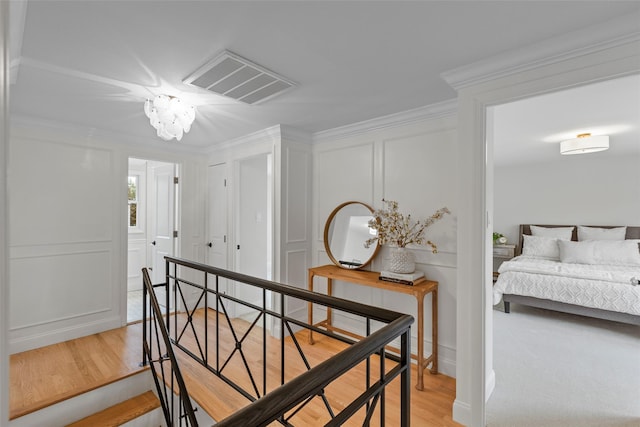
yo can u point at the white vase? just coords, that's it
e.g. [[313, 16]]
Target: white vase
[[402, 261]]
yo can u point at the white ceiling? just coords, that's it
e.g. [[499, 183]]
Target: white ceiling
[[93, 63], [530, 130]]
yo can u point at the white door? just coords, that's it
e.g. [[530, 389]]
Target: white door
[[136, 223], [253, 227], [217, 226], [162, 225]]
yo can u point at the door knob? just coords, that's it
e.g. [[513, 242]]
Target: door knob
[[210, 244], [153, 243]]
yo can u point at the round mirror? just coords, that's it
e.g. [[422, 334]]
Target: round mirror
[[345, 233]]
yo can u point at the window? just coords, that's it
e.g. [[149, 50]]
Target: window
[[133, 201]]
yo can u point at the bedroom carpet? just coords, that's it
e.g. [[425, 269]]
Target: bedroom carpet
[[554, 369]]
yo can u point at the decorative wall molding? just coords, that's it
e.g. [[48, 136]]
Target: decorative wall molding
[[55, 131], [429, 112], [47, 337], [595, 38], [273, 134], [61, 319]]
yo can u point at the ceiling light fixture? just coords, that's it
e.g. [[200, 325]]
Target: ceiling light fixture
[[584, 143], [170, 116]]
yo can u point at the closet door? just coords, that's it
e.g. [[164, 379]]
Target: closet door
[[217, 224]]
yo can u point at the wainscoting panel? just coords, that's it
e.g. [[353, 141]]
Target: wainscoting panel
[[414, 164], [65, 278], [136, 260], [342, 175], [297, 276], [419, 173], [298, 204], [53, 288], [65, 193]]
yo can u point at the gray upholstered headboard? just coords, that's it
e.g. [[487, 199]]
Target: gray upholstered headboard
[[632, 232]]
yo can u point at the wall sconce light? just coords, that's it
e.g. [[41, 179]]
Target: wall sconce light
[[584, 143]]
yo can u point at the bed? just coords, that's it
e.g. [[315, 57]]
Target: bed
[[586, 276]]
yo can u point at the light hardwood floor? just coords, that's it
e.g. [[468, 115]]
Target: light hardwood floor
[[48, 375], [45, 376]]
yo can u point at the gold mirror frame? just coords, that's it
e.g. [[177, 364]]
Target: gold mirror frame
[[352, 264]]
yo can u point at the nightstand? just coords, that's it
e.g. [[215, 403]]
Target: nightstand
[[501, 253], [504, 251]]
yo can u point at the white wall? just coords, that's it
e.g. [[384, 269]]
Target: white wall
[[588, 189], [68, 235], [414, 164], [4, 148], [290, 152]]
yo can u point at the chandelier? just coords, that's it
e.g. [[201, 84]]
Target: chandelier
[[170, 116]]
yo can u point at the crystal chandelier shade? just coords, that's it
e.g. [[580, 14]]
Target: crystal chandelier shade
[[170, 116]]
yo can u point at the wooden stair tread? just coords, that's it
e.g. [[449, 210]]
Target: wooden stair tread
[[121, 413], [48, 375]]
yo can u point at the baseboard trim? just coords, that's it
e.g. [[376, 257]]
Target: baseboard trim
[[461, 412], [490, 385], [42, 339]]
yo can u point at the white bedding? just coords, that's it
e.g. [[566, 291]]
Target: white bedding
[[606, 287]]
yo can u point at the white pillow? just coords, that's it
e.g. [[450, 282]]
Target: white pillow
[[617, 252], [563, 233], [540, 247], [577, 252], [607, 252], [597, 233]]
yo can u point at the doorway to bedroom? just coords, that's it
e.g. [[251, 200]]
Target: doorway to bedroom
[[152, 211], [550, 363]]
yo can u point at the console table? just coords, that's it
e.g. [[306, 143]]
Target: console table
[[371, 279]]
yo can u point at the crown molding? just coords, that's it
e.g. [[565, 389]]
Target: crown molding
[[595, 38], [95, 135], [273, 134], [297, 135], [429, 112]]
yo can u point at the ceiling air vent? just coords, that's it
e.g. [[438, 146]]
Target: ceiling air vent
[[235, 77]]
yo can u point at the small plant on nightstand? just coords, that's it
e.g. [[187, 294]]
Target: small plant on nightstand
[[499, 239]]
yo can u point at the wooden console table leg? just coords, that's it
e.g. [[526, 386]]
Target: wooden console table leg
[[329, 310], [420, 383], [310, 307], [434, 331]]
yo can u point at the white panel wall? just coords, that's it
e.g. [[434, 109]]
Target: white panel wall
[[68, 231], [291, 184], [413, 164], [296, 233], [589, 189], [63, 239]]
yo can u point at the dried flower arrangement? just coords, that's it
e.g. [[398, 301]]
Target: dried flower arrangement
[[395, 229]]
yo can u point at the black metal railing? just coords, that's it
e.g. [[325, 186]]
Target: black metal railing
[[157, 352], [206, 327]]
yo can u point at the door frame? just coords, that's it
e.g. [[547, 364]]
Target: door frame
[[473, 307], [177, 209]]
